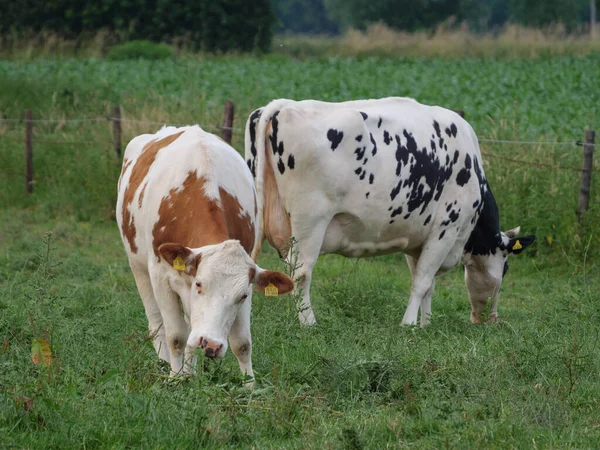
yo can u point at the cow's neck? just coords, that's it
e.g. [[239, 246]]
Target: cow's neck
[[485, 237]]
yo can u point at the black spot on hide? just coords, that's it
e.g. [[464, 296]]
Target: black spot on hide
[[387, 138], [276, 146], [335, 137], [374, 151]]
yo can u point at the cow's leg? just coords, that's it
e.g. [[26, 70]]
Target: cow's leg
[[176, 329], [426, 302], [240, 341], [310, 239], [423, 277], [190, 356], [426, 305], [155, 321]]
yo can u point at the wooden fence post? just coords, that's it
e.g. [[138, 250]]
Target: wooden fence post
[[227, 131], [28, 152], [593, 19], [586, 173], [116, 120]]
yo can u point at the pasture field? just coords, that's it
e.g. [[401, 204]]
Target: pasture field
[[356, 380]]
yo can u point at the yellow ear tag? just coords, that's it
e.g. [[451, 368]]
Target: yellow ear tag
[[179, 264], [271, 290], [517, 246]]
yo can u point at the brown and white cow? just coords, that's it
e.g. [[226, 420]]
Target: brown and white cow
[[186, 210], [370, 177]]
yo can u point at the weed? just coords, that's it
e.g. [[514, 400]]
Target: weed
[[291, 265]]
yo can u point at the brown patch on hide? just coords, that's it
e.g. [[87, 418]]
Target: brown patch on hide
[[138, 174], [277, 226], [187, 216], [239, 222]]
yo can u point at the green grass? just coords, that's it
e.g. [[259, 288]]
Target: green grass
[[358, 379], [139, 50]]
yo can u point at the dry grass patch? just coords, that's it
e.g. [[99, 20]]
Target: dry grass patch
[[511, 41]]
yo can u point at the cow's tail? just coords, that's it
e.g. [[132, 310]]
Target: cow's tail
[[254, 154]]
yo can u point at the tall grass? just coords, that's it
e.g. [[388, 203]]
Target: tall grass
[[511, 41], [446, 40]]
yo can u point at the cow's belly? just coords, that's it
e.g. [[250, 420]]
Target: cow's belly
[[350, 236]]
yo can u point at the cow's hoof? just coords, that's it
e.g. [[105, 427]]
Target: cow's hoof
[[492, 319], [307, 320]]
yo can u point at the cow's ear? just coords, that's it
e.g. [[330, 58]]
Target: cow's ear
[[512, 233], [271, 283], [180, 258], [518, 244]]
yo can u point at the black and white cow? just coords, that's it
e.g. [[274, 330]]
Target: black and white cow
[[371, 177]]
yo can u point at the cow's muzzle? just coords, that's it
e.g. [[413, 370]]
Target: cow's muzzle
[[212, 349]]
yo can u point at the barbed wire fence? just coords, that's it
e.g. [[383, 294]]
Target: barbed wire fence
[[227, 130]]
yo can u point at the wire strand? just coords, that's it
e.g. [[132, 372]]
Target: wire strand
[[151, 122], [531, 163], [505, 141], [35, 141], [86, 119]]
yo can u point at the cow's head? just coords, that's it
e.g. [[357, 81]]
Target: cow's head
[[220, 279], [484, 272]]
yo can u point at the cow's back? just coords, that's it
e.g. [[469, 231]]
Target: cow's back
[[183, 185]]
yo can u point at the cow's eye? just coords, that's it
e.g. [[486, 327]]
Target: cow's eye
[[243, 297], [199, 287]]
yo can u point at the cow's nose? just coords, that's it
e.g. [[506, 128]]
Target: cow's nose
[[211, 349]]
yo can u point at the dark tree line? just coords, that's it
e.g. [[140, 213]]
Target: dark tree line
[[329, 16], [247, 25], [213, 25]]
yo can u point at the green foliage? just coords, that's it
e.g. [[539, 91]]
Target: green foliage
[[214, 26], [139, 50]]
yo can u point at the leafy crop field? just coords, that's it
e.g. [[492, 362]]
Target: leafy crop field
[[356, 380]]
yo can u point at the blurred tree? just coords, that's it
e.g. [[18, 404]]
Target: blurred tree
[[479, 14], [539, 13], [304, 16], [400, 14], [483, 15]]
